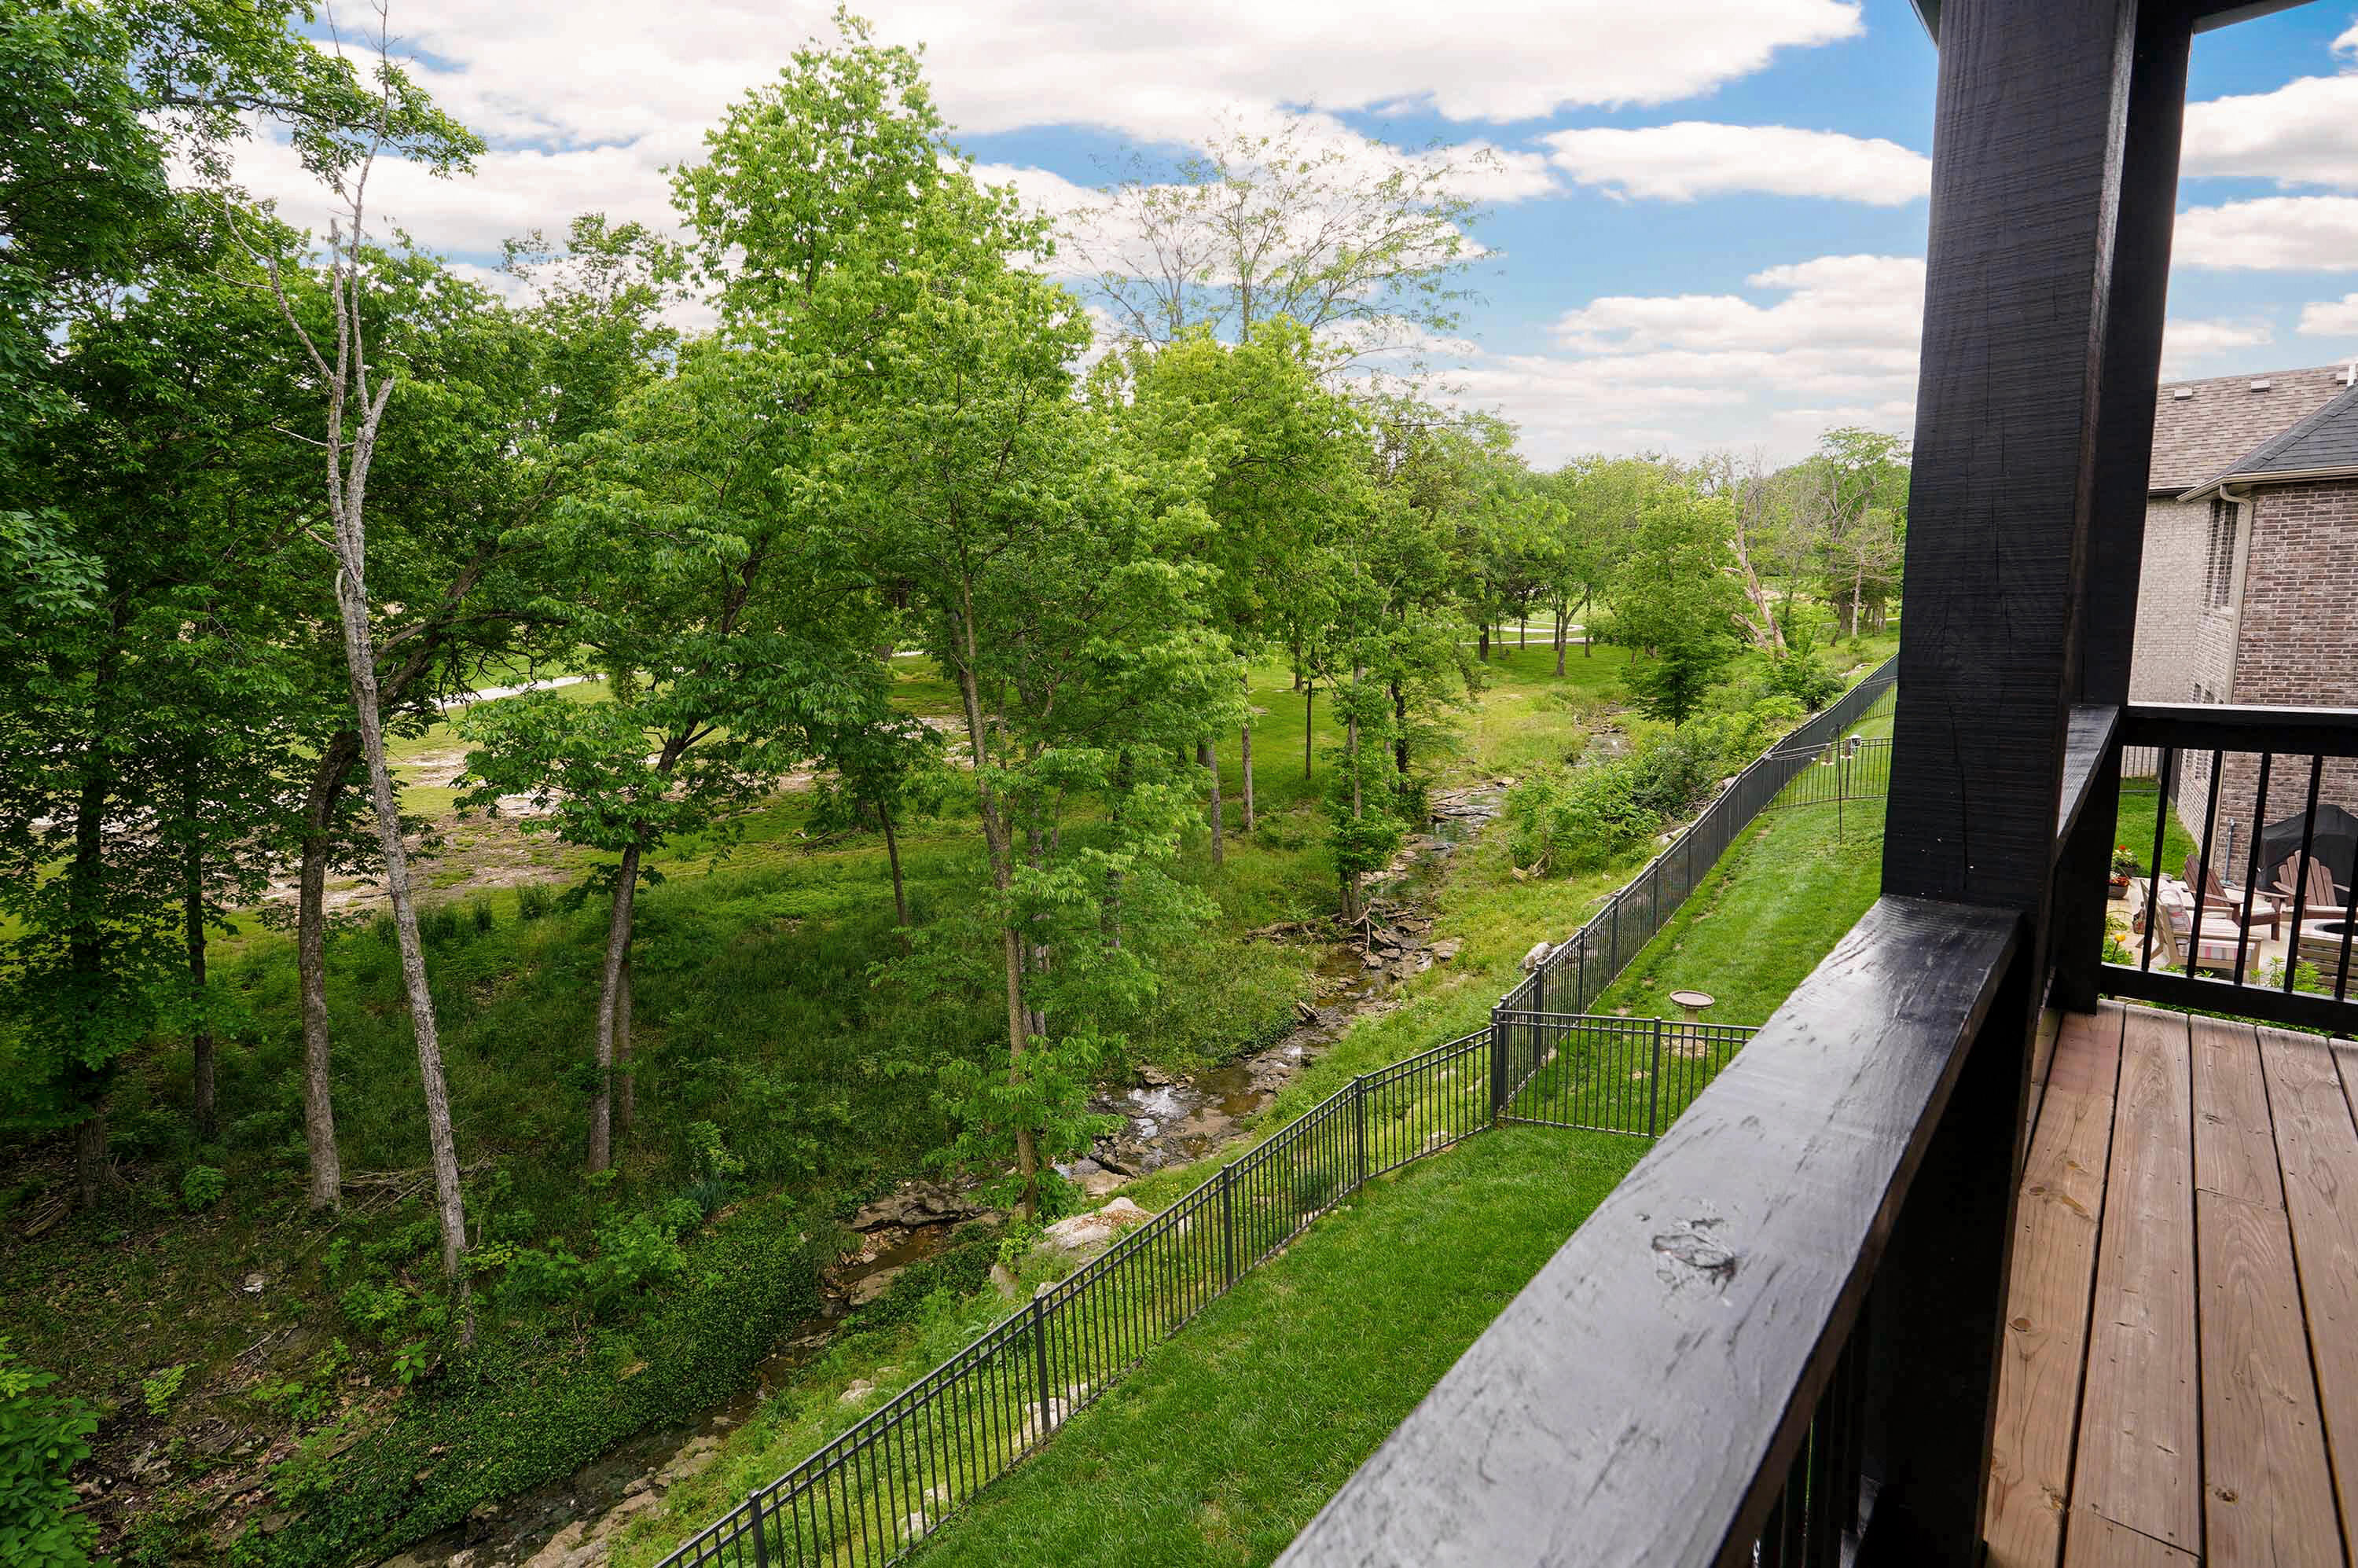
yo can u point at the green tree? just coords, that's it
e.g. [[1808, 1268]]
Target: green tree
[[1676, 602], [1854, 488]]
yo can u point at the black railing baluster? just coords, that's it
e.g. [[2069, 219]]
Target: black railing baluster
[[2153, 912], [2301, 869], [2202, 867], [2251, 872]]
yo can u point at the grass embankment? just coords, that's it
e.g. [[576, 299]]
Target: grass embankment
[[2133, 830]]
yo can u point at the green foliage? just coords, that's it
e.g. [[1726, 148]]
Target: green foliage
[[42, 1437], [202, 1186], [528, 1403], [1803, 677], [157, 1393], [535, 900]]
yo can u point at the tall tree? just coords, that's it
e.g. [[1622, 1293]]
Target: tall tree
[[1676, 601]]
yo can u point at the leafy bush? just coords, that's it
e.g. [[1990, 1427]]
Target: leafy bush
[[1577, 819], [202, 1187], [158, 1391], [42, 1438], [535, 900], [530, 1402], [1803, 677], [479, 913]]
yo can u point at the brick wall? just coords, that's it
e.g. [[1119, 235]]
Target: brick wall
[[2297, 648], [2181, 642]]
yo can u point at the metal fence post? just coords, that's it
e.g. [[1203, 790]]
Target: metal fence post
[[1359, 1125], [1539, 984], [1654, 1083], [1227, 1229], [1497, 1065], [1040, 1363], [760, 1535]]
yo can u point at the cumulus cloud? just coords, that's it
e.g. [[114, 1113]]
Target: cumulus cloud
[[1693, 157], [2298, 135], [2274, 233], [2185, 341], [1834, 344], [585, 101], [2331, 318]]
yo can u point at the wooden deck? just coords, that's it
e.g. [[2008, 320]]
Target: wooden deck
[[2181, 1383]]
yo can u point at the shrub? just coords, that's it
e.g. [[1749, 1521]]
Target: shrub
[[534, 901], [202, 1187], [1803, 677], [530, 1402], [1577, 819], [42, 1438]]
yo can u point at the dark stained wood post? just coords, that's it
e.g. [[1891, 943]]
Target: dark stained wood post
[[2124, 420], [2028, 170]]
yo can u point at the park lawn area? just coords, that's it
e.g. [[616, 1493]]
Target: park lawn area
[[1221, 1447], [1789, 887]]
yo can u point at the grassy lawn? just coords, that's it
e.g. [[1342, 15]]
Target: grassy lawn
[[1220, 1447], [2134, 828], [1780, 898]]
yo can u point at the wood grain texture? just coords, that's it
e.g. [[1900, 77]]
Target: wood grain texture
[[2139, 1423], [2234, 1146], [2318, 1146], [2101, 1544], [1640, 1400], [2046, 1300], [2267, 1493], [2088, 736]]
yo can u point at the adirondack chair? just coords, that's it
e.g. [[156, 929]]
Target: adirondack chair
[[2322, 901], [2229, 901], [2215, 951]]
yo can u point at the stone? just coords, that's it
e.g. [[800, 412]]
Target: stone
[[1003, 1281], [1536, 956], [560, 1548], [1097, 1228], [1304, 1014], [858, 1389], [1101, 1183], [1447, 948], [869, 1288], [695, 1455]]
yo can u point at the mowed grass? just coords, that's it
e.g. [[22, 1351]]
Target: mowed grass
[[1221, 1447], [1782, 895], [2134, 828]]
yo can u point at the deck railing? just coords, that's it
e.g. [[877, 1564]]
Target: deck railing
[[2258, 920]]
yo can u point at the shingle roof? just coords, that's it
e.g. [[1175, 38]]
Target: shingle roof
[[2324, 443], [2197, 437]]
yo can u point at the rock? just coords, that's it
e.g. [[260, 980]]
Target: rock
[[1002, 1279], [1536, 956], [1373, 959], [915, 1525], [564, 1550], [253, 1285], [857, 1391], [1447, 947], [869, 1288], [1304, 1014], [1095, 1229], [695, 1455], [1101, 1183], [1151, 1073]]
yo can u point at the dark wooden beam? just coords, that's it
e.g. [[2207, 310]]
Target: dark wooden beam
[[2125, 419], [2208, 727], [1641, 1401], [2089, 742], [2028, 161]]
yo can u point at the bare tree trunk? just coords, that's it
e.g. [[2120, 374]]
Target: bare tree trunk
[[1244, 742], [311, 966], [892, 857], [1587, 638], [618, 954], [203, 1105], [1400, 721], [626, 1085], [92, 1173], [1485, 640], [1208, 757], [1857, 583], [999, 843], [360, 651], [1309, 701], [1563, 636]]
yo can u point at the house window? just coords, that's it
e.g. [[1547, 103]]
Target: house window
[[2220, 575]]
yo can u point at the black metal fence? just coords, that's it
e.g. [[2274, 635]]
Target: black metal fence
[[1847, 768], [868, 1495], [1577, 969]]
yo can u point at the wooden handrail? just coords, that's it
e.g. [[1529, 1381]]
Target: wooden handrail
[[1641, 1401], [2224, 727]]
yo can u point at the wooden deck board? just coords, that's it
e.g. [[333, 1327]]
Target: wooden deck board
[[2207, 1239], [2267, 1494], [2318, 1145], [2139, 1423], [2047, 1307], [2235, 1151]]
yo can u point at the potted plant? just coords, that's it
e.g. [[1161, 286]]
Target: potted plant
[[2125, 866]]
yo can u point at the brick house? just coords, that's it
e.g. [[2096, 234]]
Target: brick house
[[2249, 589]]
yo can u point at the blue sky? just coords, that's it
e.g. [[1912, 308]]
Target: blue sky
[[1705, 225]]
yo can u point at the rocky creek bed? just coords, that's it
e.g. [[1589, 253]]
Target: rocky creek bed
[[1166, 1120]]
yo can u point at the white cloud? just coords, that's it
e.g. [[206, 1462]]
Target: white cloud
[[1690, 372], [2348, 43], [2331, 318], [2186, 339], [2280, 233], [585, 101], [2299, 135], [1693, 157]]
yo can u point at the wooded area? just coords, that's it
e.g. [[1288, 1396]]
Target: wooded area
[[280, 502]]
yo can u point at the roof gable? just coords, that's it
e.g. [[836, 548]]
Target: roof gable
[[2324, 443], [2199, 435]]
